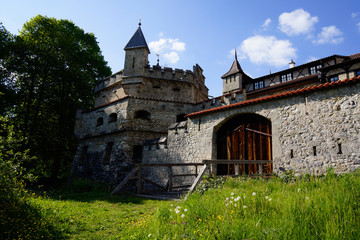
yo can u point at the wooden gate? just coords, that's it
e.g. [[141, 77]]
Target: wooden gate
[[245, 137]]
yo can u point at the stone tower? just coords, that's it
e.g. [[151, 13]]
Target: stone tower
[[235, 78], [136, 54]]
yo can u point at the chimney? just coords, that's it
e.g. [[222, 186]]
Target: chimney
[[291, 64]]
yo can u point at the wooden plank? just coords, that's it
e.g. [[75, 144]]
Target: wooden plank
[[124, 181], [197, 180], [170, 178], [224, 161], [259, 132], [154, 183]]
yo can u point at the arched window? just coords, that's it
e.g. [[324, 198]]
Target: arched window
[[112, 117], [142, 114], [99, 121]]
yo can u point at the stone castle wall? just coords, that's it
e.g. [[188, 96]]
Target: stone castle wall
[[310, 133]]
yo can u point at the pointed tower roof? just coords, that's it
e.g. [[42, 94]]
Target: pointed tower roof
[[235, 68], [137, 40]]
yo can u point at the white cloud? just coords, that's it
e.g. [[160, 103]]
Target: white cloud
[[330, 34], [172, 57], [268, 49], [355, 14], [311, 59], [266, 23], [297, 22], [168, 48], [164, 44]]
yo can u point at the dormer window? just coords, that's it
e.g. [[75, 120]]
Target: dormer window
[[286, 77], [258, 85], [315, 69]]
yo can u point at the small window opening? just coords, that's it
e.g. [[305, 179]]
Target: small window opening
[[199, 124], [180, 117], [133, 63], [314, 150], [107, 153], [291, 153], [142, 114], [99, 121], [137, 153], [112, 117], [339, 149], [83, 155]]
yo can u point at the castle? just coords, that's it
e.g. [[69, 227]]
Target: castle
[[305, 118]]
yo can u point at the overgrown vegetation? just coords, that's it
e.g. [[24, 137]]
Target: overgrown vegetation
[[309, 208], [324, 207]]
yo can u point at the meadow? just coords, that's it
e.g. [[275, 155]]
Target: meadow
[[326, 207]]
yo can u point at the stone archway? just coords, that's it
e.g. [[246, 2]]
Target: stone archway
[[244, 137]]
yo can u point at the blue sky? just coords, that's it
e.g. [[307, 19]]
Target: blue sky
[[266, 34]]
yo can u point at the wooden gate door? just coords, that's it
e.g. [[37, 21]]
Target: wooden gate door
[[246, 137]]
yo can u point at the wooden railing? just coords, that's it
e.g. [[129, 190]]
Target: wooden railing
[[137, 173]]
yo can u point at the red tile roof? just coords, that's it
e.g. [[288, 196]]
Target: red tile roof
[[276, 96]]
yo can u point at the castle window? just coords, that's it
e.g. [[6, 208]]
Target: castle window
[[142, 114], [107, 153], [258, 85], [112, 117], [83, 155], [286, 77], [357, 73], [315, 69], [133, 63], [99, 121], [334, 78], [180, 118], [137, 153]]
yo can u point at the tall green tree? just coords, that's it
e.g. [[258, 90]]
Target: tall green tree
[[56, 65], [7, 93]]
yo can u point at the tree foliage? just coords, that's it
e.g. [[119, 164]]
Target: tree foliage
[[54, 65]]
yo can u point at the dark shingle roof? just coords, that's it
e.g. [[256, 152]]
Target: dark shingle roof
[[137, 40]]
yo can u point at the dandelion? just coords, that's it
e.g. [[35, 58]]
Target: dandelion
[[254, 193]]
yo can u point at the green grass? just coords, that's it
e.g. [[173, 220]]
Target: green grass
[[308, 208]]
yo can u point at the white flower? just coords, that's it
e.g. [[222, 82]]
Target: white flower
[[178, 207], [232, 194], [266, 197], [237, 199], [299, 189], [270, 199], [230, 202], [244, 197], [235, 205], [231, 197], [170, 209], [227, 199], [177, 211], [307, 198], [185, 210], [182, 215], [254, 193], [149, 235], [244, 206]]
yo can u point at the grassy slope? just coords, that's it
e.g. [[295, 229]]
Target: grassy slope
[[311, 208]]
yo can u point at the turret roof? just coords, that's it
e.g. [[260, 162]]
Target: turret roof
[[235, 68], [137, 40]]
